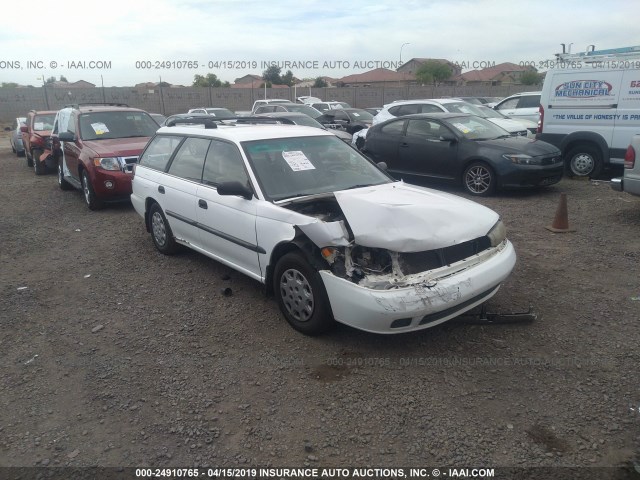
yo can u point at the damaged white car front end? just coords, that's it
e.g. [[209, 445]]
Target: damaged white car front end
[[400, 258]]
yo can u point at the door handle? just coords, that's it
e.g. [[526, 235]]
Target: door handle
[[161, 189], [404, 145], [202, 204]]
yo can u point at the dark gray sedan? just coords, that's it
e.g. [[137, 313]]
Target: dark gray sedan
[[462, 148]]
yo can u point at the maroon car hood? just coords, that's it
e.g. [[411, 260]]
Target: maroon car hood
[[117, 147]]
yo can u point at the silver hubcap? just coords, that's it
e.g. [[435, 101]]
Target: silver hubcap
[[582, 164], [158, 228], [297, 295], [478, 179], [85, 189]]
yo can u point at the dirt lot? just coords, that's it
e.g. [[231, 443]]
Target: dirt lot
[[115, 355]]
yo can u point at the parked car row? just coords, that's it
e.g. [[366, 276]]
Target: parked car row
[[328, 232]]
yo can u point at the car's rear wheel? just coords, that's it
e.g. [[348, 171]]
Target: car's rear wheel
[[161, 233], [92, 201], [38, 167], [301, 295], [584, 160], [479, 179]]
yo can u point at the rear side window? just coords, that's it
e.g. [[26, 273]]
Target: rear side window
[[159, 151], [189, 160], [393, 128]]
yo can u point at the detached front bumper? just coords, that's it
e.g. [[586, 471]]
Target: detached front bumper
[[419, 306]]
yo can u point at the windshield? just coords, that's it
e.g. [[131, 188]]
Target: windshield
[[487, 112], [307, 121], [43, 122], [463, 107], [220, 112], [476, 128], [360, 115], [306, 109], [299, 166], [103, 125]]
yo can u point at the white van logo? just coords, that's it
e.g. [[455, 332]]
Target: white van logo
[[584, 89]]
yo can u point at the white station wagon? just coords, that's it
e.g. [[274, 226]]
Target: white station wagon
[[329, 233]]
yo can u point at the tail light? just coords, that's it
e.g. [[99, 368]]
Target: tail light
[[630, 157], [541, 118]]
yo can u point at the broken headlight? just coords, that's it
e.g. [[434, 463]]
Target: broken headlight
[[371, 260], [497, 234]]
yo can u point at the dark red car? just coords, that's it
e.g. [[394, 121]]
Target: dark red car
[[96, 146], [36, 135]]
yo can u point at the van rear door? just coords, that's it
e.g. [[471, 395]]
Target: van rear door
[[628, 115]]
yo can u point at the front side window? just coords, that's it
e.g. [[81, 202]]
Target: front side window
[[529, 101], [508, 104], [189, 159], [159, 151], [224, 164], [425, 129]]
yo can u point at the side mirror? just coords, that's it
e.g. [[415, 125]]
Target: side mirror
[[235, 188], [448, 137], [24, 129], [382, 166], [66, 137]]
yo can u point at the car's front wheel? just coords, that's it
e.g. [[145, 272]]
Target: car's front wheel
[[90, 198], [161, 233], [301, 295], [479, 179], [29, 159], [38, 167], [62, 183]]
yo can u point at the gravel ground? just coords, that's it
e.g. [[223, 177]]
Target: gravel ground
[[115, 355]]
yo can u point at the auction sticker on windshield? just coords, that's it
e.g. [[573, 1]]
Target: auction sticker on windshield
[[297, 160], [462, 128], [99, 128]]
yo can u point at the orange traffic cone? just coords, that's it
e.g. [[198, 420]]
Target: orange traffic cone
[[561, 221]]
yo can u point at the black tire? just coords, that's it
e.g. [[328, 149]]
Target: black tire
[[583, 161], [38, 167], [29, 159], [93, 202], [62, 183], [161, 233], [479, 179], [301, 295]]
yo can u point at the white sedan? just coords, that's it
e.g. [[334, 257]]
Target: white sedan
[[329, 233]]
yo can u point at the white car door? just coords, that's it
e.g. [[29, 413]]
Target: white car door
[[227, 223]]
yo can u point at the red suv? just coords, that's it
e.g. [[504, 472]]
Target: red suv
[[35, 137], [96, 146]]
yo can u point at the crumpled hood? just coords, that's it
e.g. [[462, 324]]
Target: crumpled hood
[[405, 218], [118, 147]]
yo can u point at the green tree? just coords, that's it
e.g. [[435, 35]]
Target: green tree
[[434, 72], [320, 83], [287, 78], [63, 79], [210, 80], [272, 75], [50, 80], [8, 85], [530, 77]]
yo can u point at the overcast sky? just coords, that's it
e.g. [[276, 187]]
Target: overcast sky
[[239, 31]]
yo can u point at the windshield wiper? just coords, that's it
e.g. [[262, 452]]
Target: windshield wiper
[[501, 136]]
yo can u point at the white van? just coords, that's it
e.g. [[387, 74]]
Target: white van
[[590, 108]]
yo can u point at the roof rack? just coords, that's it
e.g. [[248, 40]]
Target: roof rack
[[593, 55], [96, 104], [209, 121]]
